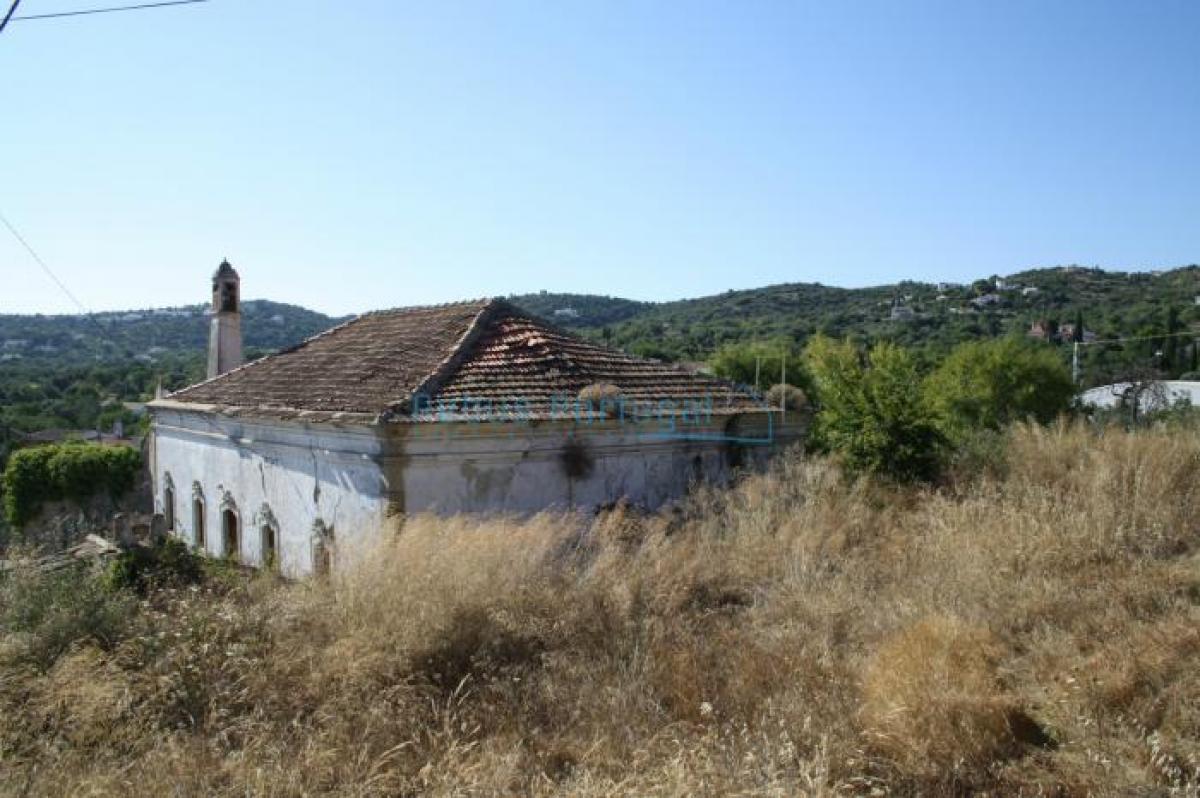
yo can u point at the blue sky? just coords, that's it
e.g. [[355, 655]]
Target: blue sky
[[362, 154]]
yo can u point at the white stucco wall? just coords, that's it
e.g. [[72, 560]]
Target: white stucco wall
[[294, 472], [355, 479], [1160, 397]]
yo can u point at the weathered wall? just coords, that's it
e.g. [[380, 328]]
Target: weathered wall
[[470, 467], [359, 480], [292, 475]]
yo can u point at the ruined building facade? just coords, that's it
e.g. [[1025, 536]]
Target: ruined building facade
[[306, 457]]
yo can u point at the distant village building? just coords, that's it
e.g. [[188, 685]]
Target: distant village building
[[1047, 331], [986, 300], [902, 313], [566, 313], [1029, 290], [306, 457]]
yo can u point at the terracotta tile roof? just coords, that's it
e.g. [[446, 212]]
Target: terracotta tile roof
[[464, 358], [523, 362]]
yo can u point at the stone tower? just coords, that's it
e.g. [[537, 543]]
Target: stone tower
[[225, 331]]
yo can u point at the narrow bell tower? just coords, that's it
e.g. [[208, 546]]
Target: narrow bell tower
[[225, 330]]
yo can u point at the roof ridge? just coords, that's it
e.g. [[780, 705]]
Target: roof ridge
[[579, 339], [448, 365]]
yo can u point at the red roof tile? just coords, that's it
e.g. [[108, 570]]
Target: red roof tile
[[468, 357]]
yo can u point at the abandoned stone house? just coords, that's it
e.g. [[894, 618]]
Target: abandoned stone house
[[311, 454]]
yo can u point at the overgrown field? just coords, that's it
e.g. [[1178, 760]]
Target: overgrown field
[[1031, 630]]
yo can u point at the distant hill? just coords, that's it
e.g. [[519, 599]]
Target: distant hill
[[581, 310], [149, 335], [934, 316], [927, 314]]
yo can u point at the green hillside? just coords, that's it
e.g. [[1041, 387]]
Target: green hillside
[[74, 371], [149, 334], [930, 317]]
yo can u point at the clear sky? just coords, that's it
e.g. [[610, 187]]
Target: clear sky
[[362, 154]]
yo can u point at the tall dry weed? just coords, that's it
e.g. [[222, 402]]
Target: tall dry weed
[[1031, 631]]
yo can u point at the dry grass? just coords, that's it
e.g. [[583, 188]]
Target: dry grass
[[1034, 633]]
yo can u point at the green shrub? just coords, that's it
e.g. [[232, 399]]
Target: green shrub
[[872, 410], [990, 384], [74, 471], [168, 563], [43, 614]]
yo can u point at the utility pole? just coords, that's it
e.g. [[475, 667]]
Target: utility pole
[[757, 367], [782, 386], [1075, 362]]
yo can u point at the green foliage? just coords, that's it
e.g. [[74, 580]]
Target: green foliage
[[589, 310], [977, 453], [990, 384], [168, 563], [43, 614], [1116, 303], [73, 372], [764, 360], [73, 471], [872, 410]]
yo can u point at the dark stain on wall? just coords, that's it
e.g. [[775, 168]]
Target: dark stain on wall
[[392, 463], [576, 460]]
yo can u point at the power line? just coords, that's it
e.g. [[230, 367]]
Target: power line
[[1075, 372], [1186, 334], [42, 263], [7, 17], [62, 286], [108, 10]]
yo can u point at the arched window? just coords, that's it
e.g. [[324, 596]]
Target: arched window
[[198, 537], [268, 529], [229, 527], [169, 501], [322, 549], [231, 541]]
